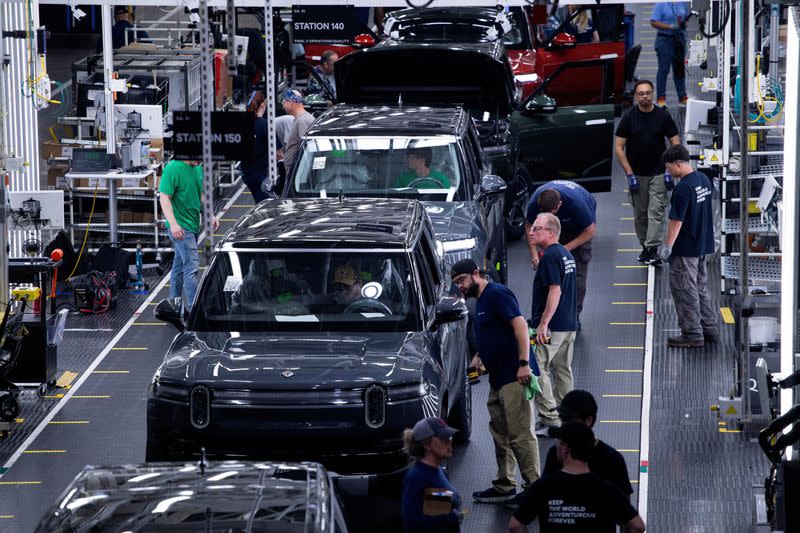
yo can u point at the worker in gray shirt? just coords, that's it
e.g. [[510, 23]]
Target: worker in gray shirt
[[293, 105]]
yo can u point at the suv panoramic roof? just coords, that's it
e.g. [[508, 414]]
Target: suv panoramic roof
[[318, 222], [355, 120]]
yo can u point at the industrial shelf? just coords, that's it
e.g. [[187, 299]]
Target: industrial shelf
[[754, 225], [758, 268]]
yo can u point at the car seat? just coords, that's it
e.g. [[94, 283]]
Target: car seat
[[254, 294], [343, 174]]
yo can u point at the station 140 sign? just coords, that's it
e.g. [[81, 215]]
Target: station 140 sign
[[325, 24]]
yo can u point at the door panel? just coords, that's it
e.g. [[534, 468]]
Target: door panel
[[574, 143], [582, 86]]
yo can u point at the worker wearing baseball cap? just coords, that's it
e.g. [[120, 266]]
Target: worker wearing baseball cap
[[346, 284], [293, 105], [429, 443]]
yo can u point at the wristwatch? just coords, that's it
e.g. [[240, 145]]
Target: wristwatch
[[523, 362]]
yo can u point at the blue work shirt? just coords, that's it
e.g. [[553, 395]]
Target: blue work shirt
[[497, 345], [577, 211], [674, 13], [556, 267], [691, 204], [418, 478]]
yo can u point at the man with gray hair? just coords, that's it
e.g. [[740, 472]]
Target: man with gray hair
[[293, 105], [555, 317]]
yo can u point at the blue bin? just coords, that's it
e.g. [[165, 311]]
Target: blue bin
[[627, 23]]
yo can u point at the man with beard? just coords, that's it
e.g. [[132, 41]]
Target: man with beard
[[503, 349]]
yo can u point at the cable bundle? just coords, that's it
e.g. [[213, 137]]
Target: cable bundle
[[93, 294]]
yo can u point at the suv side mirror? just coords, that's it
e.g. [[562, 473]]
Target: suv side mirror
[[169, 310], [541, 104], [363, 40], [490, 185], [562, 40], [449, 309]]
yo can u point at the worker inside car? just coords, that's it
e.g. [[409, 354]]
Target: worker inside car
[[419, 174], [346, 287]]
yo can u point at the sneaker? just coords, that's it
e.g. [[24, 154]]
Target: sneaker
[[492, 495], [543, 430], [652, 256], [662, 101], [516, 501], [685, 342], [710, 336], [682, 101], [643, 255]]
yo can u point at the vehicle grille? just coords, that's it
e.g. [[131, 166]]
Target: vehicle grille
[[375, 405], [200, 406]]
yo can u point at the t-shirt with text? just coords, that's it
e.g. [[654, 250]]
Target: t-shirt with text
[[605, 461], [556, 267], [691, 203]]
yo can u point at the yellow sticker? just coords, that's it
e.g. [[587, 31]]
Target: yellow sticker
[[730, 411]]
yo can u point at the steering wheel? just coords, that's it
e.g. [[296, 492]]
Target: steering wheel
[[424, 179], [366, 305]]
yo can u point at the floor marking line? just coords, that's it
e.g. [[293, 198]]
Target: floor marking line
[[622, 395], [622, 370], [620, 421], [123, 348], [628, 303], [629, 284], [20, 482], [626, 218], [626, 234], [727, 315], [242, 205], [647, 376], [625, 347], [228, 219], [628, 250], [631, 266], [7, 516], [148, 323], [92, 396], [629, 450], [45, 451], [99, 359], [626, 204], [626, 323], [111, 372], [87, 329], [67, 422]]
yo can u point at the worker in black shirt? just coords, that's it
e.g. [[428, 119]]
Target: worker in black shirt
[[639, 143], [123, 19], [575, 499]]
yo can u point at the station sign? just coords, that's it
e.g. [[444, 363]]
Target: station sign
[[231, 131], [325, 24]]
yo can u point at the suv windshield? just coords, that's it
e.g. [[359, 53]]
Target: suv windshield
[[424, 168], [510, 27], [291, 290]]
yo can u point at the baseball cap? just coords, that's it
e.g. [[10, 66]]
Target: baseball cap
[[577, 403], [292, 96], [345, 274], [465, 266], [432, 427]]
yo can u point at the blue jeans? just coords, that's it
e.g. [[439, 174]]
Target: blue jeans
[[671, 53], [183, 277]]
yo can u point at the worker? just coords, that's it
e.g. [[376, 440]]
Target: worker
[[324, 83], [255, 169], [419, 171], [293, 105], [669, 20]]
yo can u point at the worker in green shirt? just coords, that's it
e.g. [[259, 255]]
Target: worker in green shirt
[[419, 174], [181, 193]]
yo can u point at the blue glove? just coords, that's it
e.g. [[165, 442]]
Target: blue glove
[[665, 252], [633, 183], [668, 183]]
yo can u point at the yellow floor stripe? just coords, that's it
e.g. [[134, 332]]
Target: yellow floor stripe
[[629, 249], [619, 370], [727, 315], [631, 450], [62, 422], [634, 481], [149, 324], [54, 396], [723, 430], [620, 421], [626, 347], [628, 303], [20, 482], [631, 266], [66, 379], [45, 451], [626, 234], [622, 395], [19, 420], [91, 396], [7, 516], [131, 348], [111, 372], [626, 204], [626, 323], [247, 192], [629, 284], [217, 234]]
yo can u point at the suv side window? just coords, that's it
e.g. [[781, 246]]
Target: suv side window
[[472, 135], [429, 276]]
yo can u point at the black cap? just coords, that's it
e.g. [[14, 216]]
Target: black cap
[[432, 427], [577, 404], [465, 266], [579, 438]]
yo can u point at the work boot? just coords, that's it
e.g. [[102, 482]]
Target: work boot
[[492, 495], [682, 341], [710, 336]]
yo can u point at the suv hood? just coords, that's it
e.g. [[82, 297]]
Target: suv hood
[[318, 360], [477, 75]]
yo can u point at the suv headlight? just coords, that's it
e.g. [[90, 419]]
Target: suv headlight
[[459, 245]]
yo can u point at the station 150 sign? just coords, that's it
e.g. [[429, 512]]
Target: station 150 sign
[[324, 24], [231, 135]]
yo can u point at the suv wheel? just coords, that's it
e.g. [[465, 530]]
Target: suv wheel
[[460, 416], [515, 219]]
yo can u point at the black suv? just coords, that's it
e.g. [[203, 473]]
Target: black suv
[[382, 151], [321, 329]]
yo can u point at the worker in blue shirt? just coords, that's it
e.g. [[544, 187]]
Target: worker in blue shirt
[[576, 209], [429, 444], [669, 19], [690, 237]]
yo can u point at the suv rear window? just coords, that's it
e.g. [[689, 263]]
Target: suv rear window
[[307, 291], [379, 166]]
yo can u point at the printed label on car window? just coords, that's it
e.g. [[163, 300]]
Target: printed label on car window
[[296, 318], [373, 315], [232, 283], [319, 163]]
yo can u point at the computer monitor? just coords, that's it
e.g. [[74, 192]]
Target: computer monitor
[[89, 160]]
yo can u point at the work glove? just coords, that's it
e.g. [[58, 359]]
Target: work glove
[[633, 183], [668, 182], [665, 252]]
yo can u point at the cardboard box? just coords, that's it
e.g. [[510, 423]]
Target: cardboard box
[[50, 149], [55, 177], [143, 217], [437, 502]]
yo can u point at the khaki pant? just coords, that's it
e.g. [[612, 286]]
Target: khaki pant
[[649, 208], [510, 423], [555, 357]]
